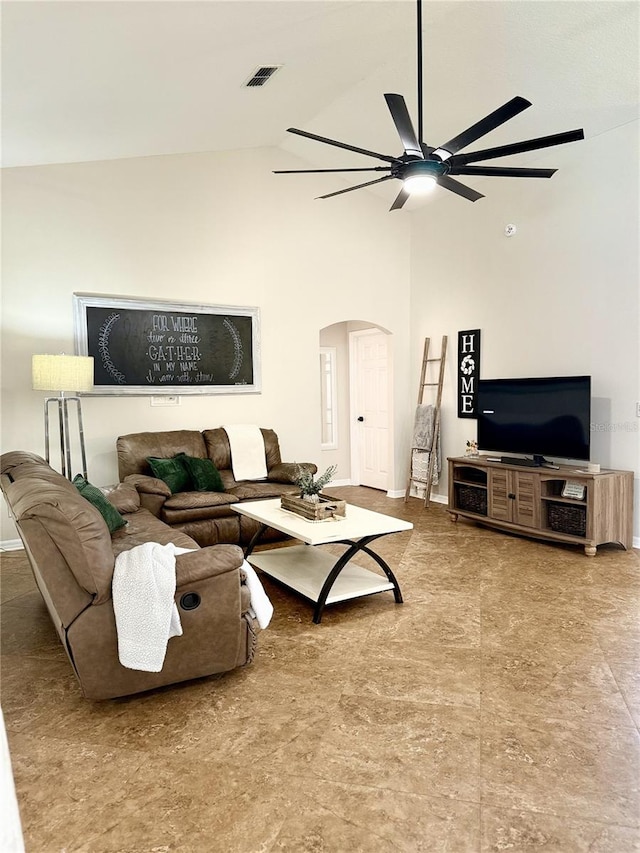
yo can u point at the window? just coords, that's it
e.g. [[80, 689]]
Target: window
[[328, 409]]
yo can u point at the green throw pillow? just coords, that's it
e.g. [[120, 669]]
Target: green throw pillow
[[106, 509], [172, 472], [204, 474]]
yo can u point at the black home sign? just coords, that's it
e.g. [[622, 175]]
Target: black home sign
[[468, 372]]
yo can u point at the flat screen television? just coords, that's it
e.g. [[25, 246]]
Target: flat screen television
[[546, 416]]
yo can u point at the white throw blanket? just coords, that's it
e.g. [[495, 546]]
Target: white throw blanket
[[260, 606], [248, 457], [143, 589]]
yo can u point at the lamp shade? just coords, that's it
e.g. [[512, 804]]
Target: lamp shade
[[62, 372]]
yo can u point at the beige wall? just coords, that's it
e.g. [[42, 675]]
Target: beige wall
[[209, 228], [562, 296]]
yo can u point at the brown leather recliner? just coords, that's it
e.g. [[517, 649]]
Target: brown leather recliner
[[207, 517], [72, 555]]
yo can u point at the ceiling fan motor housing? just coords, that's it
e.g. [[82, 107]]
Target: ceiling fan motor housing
[[422, 168]]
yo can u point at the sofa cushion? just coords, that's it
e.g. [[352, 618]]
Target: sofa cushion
[[171, 471], [204, 475], [193, 500], [96, 498], [218, 449], [189, 514], [144, 527], [134, 448], [288, 472], [256, 491], [74, 525], [20, 464]]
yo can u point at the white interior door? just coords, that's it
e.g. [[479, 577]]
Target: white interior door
[[370, 434]]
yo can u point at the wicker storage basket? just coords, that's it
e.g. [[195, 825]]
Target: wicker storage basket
[[326, 507], [564, 518], [471, 499]]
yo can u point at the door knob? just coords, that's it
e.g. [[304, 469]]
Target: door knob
[[360, 418]]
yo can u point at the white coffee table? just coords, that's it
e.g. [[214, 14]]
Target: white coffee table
[[319, 576]]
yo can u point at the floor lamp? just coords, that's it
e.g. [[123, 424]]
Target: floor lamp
[[63, 373]]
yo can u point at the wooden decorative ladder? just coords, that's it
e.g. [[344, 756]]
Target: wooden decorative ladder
[[422, 390]]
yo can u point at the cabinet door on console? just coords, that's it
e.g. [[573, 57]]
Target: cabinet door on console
[[514, 496], [499, 502], [526, 504]]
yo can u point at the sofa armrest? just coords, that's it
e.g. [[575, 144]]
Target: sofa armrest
[[148, 485], [125, 497], [288, 472], [209, 562]]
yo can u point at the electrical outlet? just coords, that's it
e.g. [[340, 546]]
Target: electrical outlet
[[638, 409], [166, 400]]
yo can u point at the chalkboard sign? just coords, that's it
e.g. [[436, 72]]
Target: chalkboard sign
[[143, 347]]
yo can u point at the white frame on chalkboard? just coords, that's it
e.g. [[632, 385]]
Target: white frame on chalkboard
[[82, 301]]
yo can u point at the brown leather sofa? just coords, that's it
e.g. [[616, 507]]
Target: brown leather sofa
[[207, 517], [72, 554]]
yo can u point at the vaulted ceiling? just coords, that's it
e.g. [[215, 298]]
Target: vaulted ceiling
[[88, 81]]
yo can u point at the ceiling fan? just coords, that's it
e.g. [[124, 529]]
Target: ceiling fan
[[422, 166]]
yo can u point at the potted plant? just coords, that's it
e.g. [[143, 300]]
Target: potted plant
[[310, 487]]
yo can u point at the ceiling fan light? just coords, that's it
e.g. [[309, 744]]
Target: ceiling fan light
[[419, 184]]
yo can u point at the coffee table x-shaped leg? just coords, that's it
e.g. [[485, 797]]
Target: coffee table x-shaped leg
[[355, 546]]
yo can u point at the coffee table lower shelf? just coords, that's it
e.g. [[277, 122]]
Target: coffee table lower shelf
[[305, 568]]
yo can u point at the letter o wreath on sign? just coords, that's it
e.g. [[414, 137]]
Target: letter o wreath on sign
[[468, 372]]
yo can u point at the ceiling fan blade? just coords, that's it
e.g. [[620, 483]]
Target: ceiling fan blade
[[342, 145], [498, 172], [357, 187], [458, 188], [402, 120], [519, 147], [308, 171], [402, 196], [495, 119]]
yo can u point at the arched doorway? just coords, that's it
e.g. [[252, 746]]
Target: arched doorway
[[356, 382]]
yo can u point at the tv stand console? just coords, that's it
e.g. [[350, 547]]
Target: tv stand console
[[529, 500]]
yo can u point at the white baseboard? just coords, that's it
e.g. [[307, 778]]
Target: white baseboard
[[436, 499], [11, 545], [440, 499], [392, 493]]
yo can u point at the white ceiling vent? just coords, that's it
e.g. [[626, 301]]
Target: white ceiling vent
[[262, 74]]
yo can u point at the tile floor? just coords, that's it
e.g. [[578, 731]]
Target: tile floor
[[497, 709]]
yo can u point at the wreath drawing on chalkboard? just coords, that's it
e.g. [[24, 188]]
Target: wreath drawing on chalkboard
[[103, 346], [237, 347]]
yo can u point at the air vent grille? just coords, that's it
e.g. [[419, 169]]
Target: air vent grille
[[262, 74]]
